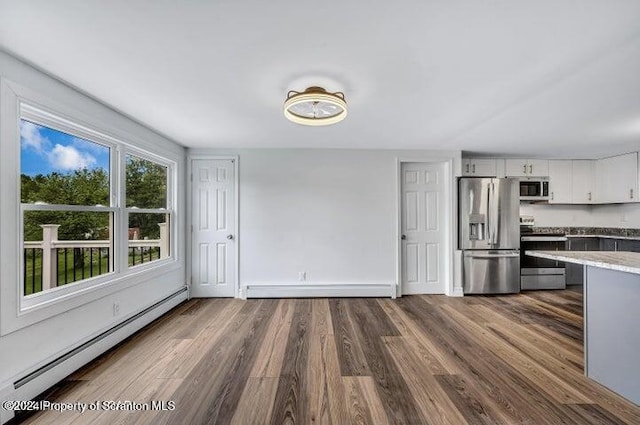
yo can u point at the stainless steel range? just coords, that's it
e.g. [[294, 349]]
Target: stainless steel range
[[540, 273]]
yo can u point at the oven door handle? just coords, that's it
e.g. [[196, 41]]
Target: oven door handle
[[543, 238], [508, 255]]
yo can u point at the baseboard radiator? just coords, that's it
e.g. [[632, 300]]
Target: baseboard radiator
[[33, 384], [311, 290]]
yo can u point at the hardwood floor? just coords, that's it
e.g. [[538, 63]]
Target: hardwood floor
[[416, 360]]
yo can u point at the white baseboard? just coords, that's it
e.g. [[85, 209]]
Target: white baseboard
[[6, 393], [318, 290], [457, 292], [46, 380]]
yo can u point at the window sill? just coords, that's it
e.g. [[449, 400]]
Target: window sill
[[45, 306]]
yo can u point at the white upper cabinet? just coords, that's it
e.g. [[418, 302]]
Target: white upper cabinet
[[480, 167], [560, 180], [582, 181], [527, 167], [617, 179]]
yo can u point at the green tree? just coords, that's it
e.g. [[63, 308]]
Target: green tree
[[80, 187], [146, 188]]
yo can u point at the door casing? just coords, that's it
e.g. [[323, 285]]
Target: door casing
[[449, 221], [190, 159]]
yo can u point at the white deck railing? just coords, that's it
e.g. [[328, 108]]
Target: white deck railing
[[50, 245]]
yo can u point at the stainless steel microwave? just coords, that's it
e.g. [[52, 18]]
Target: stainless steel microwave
[[534, 189]]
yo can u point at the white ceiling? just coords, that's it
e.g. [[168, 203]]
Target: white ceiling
[[536, 77]]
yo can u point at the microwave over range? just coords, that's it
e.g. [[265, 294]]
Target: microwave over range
[[536, 189]]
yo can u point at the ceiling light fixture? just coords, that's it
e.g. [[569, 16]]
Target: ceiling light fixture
[[315, 106]]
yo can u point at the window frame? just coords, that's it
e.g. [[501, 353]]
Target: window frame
[[39, 115], [169, 209]]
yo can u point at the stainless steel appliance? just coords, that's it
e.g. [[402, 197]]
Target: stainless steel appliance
[[540, 273], [489, 235], [536, 189]]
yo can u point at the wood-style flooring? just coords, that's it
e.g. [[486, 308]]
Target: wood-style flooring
[[416, 360]]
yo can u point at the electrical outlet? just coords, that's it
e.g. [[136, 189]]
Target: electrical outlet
[[624, 217], [302, 276], [116, 309]]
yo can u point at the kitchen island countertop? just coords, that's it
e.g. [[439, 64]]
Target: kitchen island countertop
[[613, 260]]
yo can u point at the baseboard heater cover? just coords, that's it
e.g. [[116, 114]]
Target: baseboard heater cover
[[33, 375], [319, 290]]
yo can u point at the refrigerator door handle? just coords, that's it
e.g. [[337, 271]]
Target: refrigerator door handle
[[493, 213], [488, 214]]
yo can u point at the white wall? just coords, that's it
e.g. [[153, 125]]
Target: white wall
[[614, 215], [29, 348], [330, 213]]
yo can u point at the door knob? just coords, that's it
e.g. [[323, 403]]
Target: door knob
[[229, 237], [403, 237]]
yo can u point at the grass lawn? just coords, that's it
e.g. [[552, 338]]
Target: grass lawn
[[92, 267]]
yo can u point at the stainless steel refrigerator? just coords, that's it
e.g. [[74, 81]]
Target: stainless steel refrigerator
[[489, 235]]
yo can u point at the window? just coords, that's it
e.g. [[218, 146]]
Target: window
[[148, 217], [77, 229], [66, 214]]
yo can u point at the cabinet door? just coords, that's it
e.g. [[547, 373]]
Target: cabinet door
[[538, 167], [582, 181], [592, 244], [516, 168], [617, 179], [608, 244], [466, 166], [483, 167], [559, 182], [574, 272], [628, 245]]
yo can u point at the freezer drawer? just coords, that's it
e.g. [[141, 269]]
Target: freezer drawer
[[491, 272]]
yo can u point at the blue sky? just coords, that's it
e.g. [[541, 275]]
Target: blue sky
[[44, 150]]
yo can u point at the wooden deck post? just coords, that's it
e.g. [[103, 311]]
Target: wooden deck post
[[49, 256], [164, 240]]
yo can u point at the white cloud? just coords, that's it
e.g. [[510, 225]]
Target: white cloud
[[31, 138], [69, 158]]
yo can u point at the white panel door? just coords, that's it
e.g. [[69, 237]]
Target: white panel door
[[213, 272], [423, 228]]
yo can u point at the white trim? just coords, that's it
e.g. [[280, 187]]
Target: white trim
[[238, 293], [450, 220], [319, 290], [15, 99], [31, 389]]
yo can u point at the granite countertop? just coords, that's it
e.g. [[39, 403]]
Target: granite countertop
[[613, 260], [632, 238], [592, 232]]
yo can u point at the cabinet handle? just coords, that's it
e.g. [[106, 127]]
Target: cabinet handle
[[473, 167], [530, 169], [630, 193], [467, 168], [524, 168]]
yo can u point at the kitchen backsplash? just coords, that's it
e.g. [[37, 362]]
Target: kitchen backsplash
[[619, 216]]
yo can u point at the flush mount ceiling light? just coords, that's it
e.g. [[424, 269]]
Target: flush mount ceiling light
[[315, 106]]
